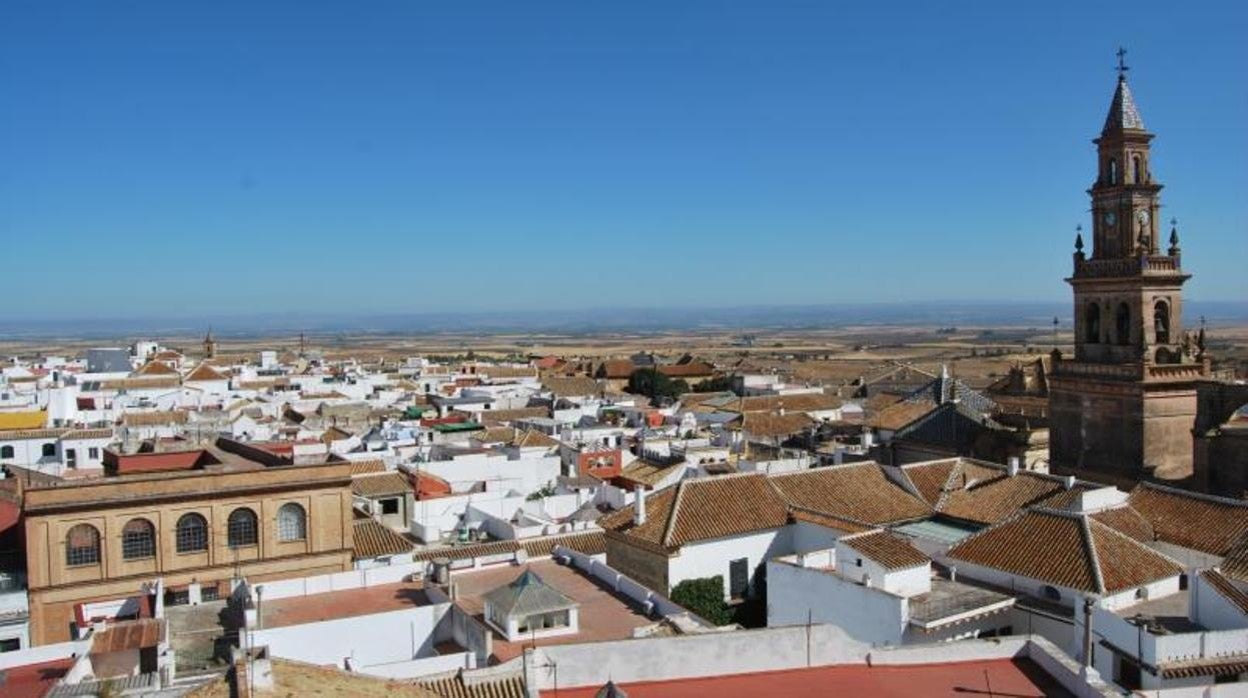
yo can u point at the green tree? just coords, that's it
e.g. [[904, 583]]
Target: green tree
[[705, 598], [654, 384], [718, 384]]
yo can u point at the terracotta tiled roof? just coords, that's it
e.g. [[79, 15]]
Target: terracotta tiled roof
[[496, 435], [993, 500], [372, 539], [1128, 521], [935, 478], [462, 552], [364, 467], [617, 369], [204, 372], [888, 549], [826, 520], [155, 368], [590, 543], [802, 402], [647, 473], [506, 371], [694, 369], [859, 492], [571, 385], [896, 416], [128, 635], [1201, 522], [764, 425], [455, 687], [147, 419], [1065, 549], [535, 439], [383, 485], [703, 508], [1235, 564], [141, 383]]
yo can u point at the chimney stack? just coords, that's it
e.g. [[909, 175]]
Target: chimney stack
[[1012, 468], [639, 505]]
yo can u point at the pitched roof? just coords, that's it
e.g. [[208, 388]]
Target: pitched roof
[[648, 473], [455, 687], [526, 595], [495, 417], [801, 402], [1065, 549], [693, 369], [1128, 521], [1227, 589], [204, 372], [590, 543], [859, 492], [699, 509], [364, 467], [382, 485], [890, 550], [762, 424], [155, 368], [1235, 564], [934, 479], [532, 438], [1201, 522], [1123, 113], [372, 539], [993, 500], [571, 385], [898, 415]]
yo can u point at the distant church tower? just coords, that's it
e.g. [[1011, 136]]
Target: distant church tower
[[210, 345], [1124, 407]]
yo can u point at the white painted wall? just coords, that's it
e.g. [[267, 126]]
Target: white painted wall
[[379, 638], [712, 557]]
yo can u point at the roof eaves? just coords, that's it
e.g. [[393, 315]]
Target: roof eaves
[[671, 517]]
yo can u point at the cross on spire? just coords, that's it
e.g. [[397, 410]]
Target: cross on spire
[[1122, 64]]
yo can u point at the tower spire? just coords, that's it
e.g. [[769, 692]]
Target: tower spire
[[1123, 114]]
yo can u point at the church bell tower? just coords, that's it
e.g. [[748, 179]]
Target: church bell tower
[[1123, 407]]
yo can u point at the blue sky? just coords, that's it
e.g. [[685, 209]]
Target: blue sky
[[165, 158]]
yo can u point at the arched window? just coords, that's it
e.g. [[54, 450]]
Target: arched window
[[49, 450], [82, 546], [292, 524], [1113, 170], [1161, 322], [1050, 593], [192, 533], [1092, 324], [241, 528], [138, 540], [1122, 324], [6, 451], [1137, 172]]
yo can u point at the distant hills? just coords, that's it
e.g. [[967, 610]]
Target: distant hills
[[599, 320]]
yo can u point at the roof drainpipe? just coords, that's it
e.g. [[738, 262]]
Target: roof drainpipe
[[639, 505]]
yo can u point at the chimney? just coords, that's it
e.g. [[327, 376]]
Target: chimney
[[953, 574], [639, 505], [1012, 468], [1070, 481]]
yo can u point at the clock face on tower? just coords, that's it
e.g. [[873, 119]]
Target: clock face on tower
[[1110, 218]]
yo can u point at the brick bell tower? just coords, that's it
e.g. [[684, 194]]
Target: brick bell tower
[[1123, 409]]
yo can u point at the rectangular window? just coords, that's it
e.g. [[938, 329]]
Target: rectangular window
[[93, 453], [209, 593], [71, 457], [10, 644], [390, 506], [738, 578]]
